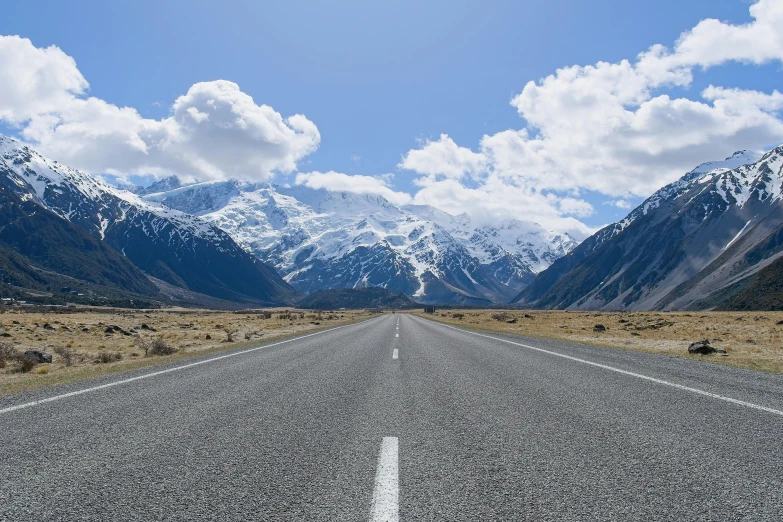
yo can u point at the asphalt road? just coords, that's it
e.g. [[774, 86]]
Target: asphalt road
[[457, 426]]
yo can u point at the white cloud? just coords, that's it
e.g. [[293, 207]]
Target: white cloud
[[356, 184], [215, 130], [621, 203], [443, 157], [616, 128], [35, 81]]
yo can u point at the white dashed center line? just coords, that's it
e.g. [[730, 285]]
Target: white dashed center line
[[386, 495], [395, 354]]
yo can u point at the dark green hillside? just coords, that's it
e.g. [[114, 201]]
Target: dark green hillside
[[33, 236], [353, 298], [763, 290]]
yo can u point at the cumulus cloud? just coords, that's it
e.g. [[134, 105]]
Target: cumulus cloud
[[615, 128], [356, 184], [443, 157], [214, 131]]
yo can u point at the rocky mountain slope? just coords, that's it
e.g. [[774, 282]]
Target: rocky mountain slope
[[321, 240], [691, 244], [179, 249]]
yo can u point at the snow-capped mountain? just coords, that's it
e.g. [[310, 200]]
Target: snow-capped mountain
[[319, 240], [175, 247], [693, 243]]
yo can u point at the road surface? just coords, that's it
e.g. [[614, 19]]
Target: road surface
[[401, 418]]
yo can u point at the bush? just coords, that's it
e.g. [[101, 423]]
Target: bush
[[161, 347], [27, 365], [105, 357], [501, 316], [457, 316], [230, 334], [7, 354], [66, 354]]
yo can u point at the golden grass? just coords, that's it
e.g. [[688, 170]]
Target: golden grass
[[753, 339], [193, 332]]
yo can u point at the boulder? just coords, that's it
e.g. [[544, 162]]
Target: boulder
[[702, 347], [599, 328], [511, 321], [37, 356]]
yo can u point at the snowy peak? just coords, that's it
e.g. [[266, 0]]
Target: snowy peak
[[320, 239], [169, 244]]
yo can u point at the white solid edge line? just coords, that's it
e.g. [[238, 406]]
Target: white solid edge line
[[386, 494], [168, 370], [395, 354], [625, 372]]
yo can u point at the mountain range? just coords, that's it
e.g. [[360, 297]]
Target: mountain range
[[171, 248], [714, 238], [319, 240]]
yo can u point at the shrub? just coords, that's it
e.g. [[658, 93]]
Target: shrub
[[143, 344], [457, 316], [161, 347], [7, 354], [26, 365], [230, 334], [501, 316], [66, 354], [105, 357]]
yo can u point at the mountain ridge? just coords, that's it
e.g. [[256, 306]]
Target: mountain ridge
[[321, 239], [688, 240]]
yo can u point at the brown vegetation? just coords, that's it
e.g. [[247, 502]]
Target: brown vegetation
[[752, 339], [91, 343]]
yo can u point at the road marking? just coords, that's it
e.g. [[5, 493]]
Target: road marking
[[161, 372], [626, 372], [395, 354], [396, 335], [386, 495]]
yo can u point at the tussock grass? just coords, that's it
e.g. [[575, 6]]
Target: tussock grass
[[753, 339], [80, 338]]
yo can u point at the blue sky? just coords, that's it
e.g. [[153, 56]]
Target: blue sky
[[381, 79]]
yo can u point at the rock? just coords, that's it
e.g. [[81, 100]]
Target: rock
[[528, 316], [512, 321], [599, 328], [148, 327], [37, 356], [47, 326], [109, 330], [780, 322], [208, 337], [86, 330], [702, 347], [5, 334]]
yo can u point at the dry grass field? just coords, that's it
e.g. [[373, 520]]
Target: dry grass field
[[752, 339], [88, 344]]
